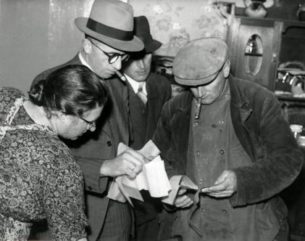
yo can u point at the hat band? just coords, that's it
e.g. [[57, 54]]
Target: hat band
[[109, 31]]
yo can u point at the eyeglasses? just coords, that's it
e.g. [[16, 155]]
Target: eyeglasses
[[91, 124], [113, 57]]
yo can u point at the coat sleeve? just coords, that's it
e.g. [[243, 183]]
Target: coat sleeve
[[281, 163], [94, 182], [162, 134], [163, 140]]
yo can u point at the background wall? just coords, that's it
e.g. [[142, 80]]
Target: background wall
[[38, 34], [35, 35]]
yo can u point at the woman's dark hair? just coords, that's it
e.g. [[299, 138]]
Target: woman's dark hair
[[73, 89]]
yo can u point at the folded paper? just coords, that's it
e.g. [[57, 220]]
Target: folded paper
[[152, 178]]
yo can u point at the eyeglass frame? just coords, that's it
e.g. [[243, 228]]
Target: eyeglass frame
[[91, 124], [112, 58]]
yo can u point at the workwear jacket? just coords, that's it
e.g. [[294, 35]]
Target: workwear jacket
[[263, 133]]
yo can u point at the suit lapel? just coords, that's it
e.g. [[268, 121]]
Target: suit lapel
[[118, 120]]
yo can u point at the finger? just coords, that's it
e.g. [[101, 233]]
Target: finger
[[223, 176], [135, 156], [131, 163], [130, 173], [183, 201], [221, 194], [181, 191], [215, 188], [138, 168]]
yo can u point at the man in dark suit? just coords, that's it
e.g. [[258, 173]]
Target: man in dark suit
[[146, 94], [108, 35]]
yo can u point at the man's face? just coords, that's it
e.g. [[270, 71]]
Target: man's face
[[208, 93], [138, 68], [96, 56]]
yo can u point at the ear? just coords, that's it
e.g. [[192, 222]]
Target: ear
[[87, 46], [226, 69]]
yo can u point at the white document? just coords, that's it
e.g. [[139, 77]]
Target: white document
[[153, 177]]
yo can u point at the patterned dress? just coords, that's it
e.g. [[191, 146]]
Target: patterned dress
[[39, 178]]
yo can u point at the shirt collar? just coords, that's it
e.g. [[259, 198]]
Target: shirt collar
[[83, 61], [135, 85]]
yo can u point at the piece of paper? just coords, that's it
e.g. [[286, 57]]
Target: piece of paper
[[158, 184], [152, 178], [177, 182]]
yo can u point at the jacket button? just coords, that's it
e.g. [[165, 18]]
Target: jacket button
[[221, 151], [109, 143]]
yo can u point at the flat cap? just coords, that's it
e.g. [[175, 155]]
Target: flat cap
[[199, 61]]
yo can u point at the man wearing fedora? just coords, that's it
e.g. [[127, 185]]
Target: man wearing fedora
[[108, 36], [229, 136], [146, 93]]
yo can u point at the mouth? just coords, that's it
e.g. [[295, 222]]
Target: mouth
[[141, 73]]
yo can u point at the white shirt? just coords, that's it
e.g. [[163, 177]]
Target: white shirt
[[135, 85], [83, 61]]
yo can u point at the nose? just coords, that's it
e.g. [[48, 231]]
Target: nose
[[92, 127], [140, 64], [118, 64]]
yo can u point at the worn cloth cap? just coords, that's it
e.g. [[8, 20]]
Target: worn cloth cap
[[111, 22], [200, 61], [142, 31]]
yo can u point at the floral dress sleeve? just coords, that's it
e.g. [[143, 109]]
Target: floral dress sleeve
[[63, 195]]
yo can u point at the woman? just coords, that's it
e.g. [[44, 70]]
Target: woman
[[38, 177]]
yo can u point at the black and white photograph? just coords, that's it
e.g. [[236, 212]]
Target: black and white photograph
[[152, 120]]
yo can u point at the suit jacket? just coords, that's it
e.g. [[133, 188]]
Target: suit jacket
[[158, 92]]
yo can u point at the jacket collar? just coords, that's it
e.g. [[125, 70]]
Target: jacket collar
[[239, 100]]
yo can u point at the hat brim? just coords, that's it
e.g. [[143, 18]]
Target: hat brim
[[133, 45], [152, 46], [196, 82]]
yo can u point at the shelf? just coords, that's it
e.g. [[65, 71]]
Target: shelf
[[290, 98]]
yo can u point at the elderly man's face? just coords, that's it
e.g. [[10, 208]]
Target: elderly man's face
[[97, 56], [208, 93]]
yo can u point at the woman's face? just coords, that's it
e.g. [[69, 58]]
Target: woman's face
[[72, 127]]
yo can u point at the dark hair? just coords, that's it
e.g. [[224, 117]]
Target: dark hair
[[73, 89]]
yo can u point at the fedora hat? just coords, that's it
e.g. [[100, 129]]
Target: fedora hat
[[112, 23], [142, 31], [199, 61]]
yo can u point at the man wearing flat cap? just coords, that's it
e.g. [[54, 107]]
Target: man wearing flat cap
[[145, 94], [109, 38], [229, 137]]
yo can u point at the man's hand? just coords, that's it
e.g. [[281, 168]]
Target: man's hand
[[224, 186], [182, 200], [128, 163]]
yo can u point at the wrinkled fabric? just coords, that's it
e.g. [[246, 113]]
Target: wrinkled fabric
[[39, 179], [256, 118]]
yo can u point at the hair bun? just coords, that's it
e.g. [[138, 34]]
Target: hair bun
[[36, 93]]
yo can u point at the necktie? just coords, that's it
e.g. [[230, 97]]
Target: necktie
[[141, 93]]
